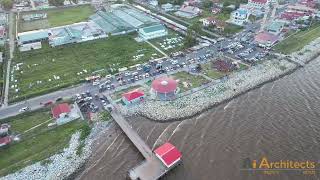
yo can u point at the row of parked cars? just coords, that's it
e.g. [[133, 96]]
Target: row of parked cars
[[84, 100]]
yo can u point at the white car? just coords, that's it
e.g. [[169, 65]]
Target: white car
[[88, 98], [24, 109], [95, 83]]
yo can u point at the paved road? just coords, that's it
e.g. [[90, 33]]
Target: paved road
[[34, 103], [11, 46]]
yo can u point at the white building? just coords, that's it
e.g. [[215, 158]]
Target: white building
[[208, 21], [152, 32], [188, 12], [154, 3], [239, 17], [258, 3], [167, 7]]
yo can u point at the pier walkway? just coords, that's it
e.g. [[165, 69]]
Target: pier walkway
[[151, 168]]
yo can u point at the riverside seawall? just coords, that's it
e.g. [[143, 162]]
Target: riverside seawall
[[239, 83]]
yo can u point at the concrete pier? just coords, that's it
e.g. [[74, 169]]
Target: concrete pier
[[151, 168]]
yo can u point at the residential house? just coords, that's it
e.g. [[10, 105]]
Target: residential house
[[239, 16], [154, 3], [258, 4], [133, 97], [215, 10], [188, 12], [220, 25], [4, 129], [208, 21], [167, 7]]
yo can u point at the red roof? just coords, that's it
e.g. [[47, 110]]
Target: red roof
[[164, 85], [265, 37], [133, 94], [260, 1], [5, 140], [168, 154], [59, 109], [292, 15]]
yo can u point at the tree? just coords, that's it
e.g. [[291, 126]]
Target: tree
[[207, 4], [56, 2], [162, 2], [196, 27], [190, 39], [7, 4]]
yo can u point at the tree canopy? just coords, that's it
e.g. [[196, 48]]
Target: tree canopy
[[7, 4]]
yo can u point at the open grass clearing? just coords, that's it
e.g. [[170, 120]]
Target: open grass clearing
[[56, 17], [209, 71], [297, 41], [64, 16], [38, 144], [25, 121], [49, 69], [188, 81]]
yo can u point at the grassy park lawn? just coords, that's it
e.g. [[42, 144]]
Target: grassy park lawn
[[118, 94], [230, 29], [188, 81], [297, 41], [210, 72], [21, 123], [173, 42], [59, 17], [48, 69], [35, 145], [56, 17]]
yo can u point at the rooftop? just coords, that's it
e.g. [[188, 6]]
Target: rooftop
[[164, 85], [137, 93], [59, 109], [265, 37], [158, 27], [33, 35], [168, 154]]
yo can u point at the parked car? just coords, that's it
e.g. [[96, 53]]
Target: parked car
[[24, 109]]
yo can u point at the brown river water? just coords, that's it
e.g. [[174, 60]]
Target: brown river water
[[279, 121]]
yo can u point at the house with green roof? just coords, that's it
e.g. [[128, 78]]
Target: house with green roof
[[152, 32], [275, 27]]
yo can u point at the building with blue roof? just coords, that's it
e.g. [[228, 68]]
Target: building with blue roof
[[239, 16], [275, 27], [32, 36]]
